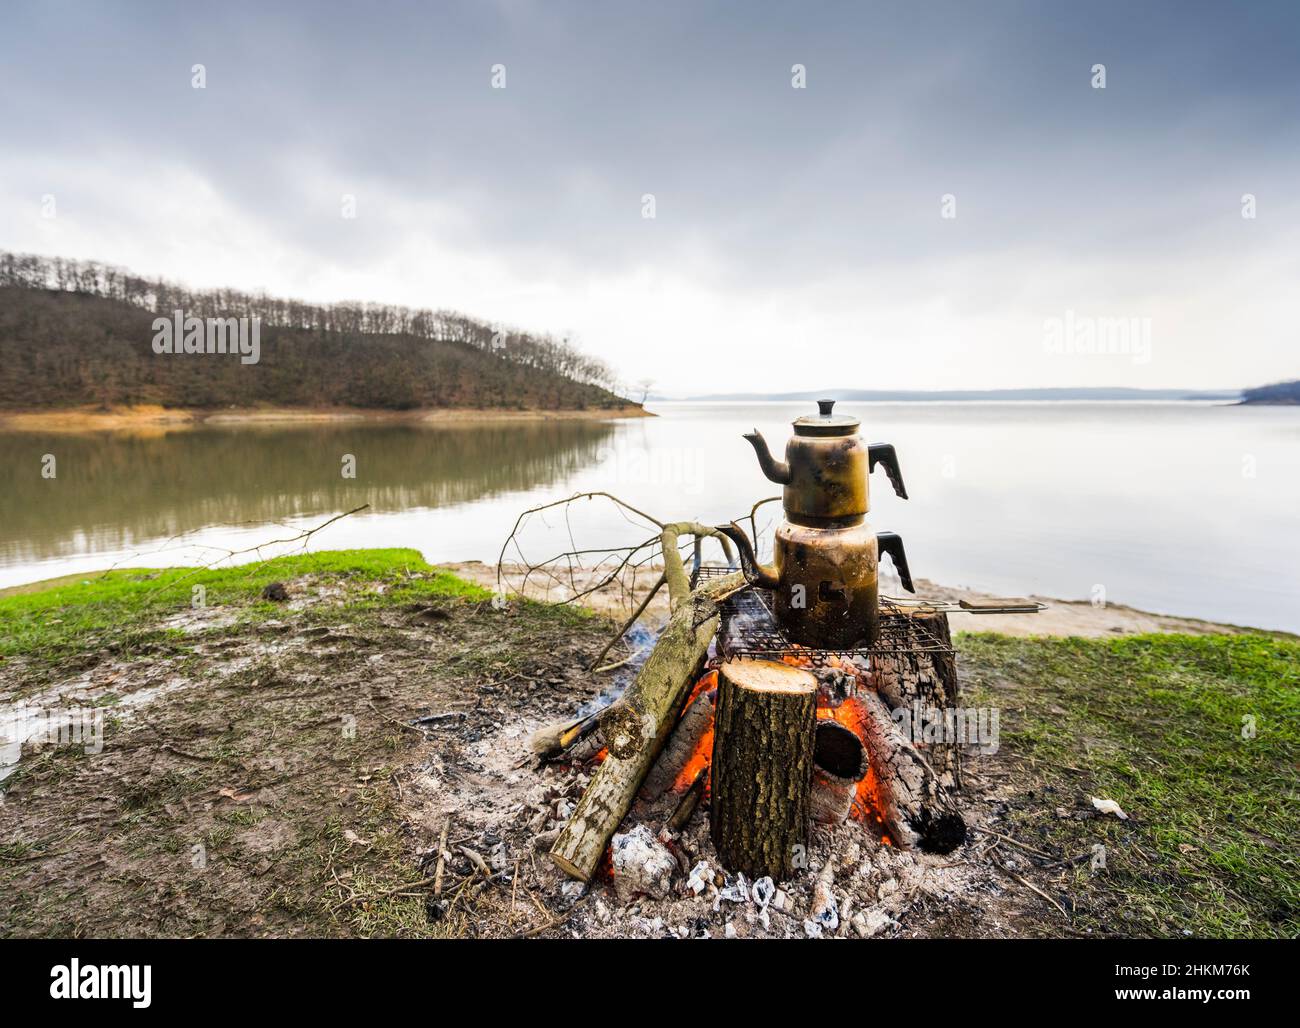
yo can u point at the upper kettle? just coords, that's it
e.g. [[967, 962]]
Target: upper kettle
[[826, 466]]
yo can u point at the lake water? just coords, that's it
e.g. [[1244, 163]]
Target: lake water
[[1181, 508]]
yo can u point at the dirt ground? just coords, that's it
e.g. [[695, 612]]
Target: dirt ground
[[293, 775]]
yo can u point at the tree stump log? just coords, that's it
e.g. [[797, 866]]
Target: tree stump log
[[923, 681], [765, 717]]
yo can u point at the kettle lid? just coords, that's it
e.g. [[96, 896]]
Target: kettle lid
[[826, 422]]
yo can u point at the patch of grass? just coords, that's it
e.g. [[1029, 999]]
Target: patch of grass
[[14, 852], [156, 790], [121, 608], [1196, 737], [241, 817]]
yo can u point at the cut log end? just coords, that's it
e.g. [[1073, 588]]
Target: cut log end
[[570, 868], [839, 763], [838, 751], [767, 676]]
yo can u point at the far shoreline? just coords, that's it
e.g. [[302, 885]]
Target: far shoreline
[[154, 417]]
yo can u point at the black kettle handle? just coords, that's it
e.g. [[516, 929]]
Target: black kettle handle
[[883, 453], [892, 544]]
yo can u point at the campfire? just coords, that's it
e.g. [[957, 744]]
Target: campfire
[[742, 743], [777, 698]]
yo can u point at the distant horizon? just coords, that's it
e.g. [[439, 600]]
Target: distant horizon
[[1010, 392]]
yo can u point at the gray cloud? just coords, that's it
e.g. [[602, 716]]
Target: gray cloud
[[827, 196]]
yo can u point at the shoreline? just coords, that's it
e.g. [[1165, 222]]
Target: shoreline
[[1061, 619], [153, 417]]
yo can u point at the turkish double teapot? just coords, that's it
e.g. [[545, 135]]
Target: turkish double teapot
[[825, 580]]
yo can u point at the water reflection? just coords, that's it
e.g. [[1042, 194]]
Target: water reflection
[[113, 491], [1178, 508]]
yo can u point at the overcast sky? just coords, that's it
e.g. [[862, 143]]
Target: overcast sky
[[798, 240]]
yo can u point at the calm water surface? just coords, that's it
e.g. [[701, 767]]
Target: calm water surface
[[1187, 509]]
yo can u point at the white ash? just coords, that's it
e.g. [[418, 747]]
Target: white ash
[[735, 891], [825, 908], [762, 893], [869, 923], [642, 864], [701, 878], [877, 890]]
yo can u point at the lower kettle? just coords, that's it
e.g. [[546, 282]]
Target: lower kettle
[[826, 583]]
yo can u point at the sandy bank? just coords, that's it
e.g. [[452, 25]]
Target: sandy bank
[[1062, 618]]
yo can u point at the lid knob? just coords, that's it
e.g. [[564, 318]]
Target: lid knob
[[824, 407]]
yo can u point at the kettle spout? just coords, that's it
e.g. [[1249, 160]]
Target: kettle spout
[[776, 470], [755, 573]]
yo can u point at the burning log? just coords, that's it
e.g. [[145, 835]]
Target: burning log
[[928, 678], [839, 763], [689, 801], [648, 710], [762, 765], [915, 803], [682, 745], [551, 741]]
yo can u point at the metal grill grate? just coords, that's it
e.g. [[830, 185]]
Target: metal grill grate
[[750, 629]]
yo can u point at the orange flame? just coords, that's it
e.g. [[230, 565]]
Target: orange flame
[[702, 756], [851, 714]]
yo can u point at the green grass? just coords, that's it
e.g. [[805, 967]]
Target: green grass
[[1163, 725], [71, 616]]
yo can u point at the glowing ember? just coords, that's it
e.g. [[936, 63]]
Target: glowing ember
[[702, 755], [866, 805]]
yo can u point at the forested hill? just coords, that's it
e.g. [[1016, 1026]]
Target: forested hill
[[1279, 394], [76, 332]]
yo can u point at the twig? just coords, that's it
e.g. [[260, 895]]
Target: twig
[[475, 859], [442, 856], [177, 751], [514, 890], [1068, 862], [33, 856], [552, 924], [456, 899], [1014, 842], [367, 897], [753, 522], [550, 741], [1031, 887], [618, 563], [302, 537], [629, 622], [400, 724], [617, 664]]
